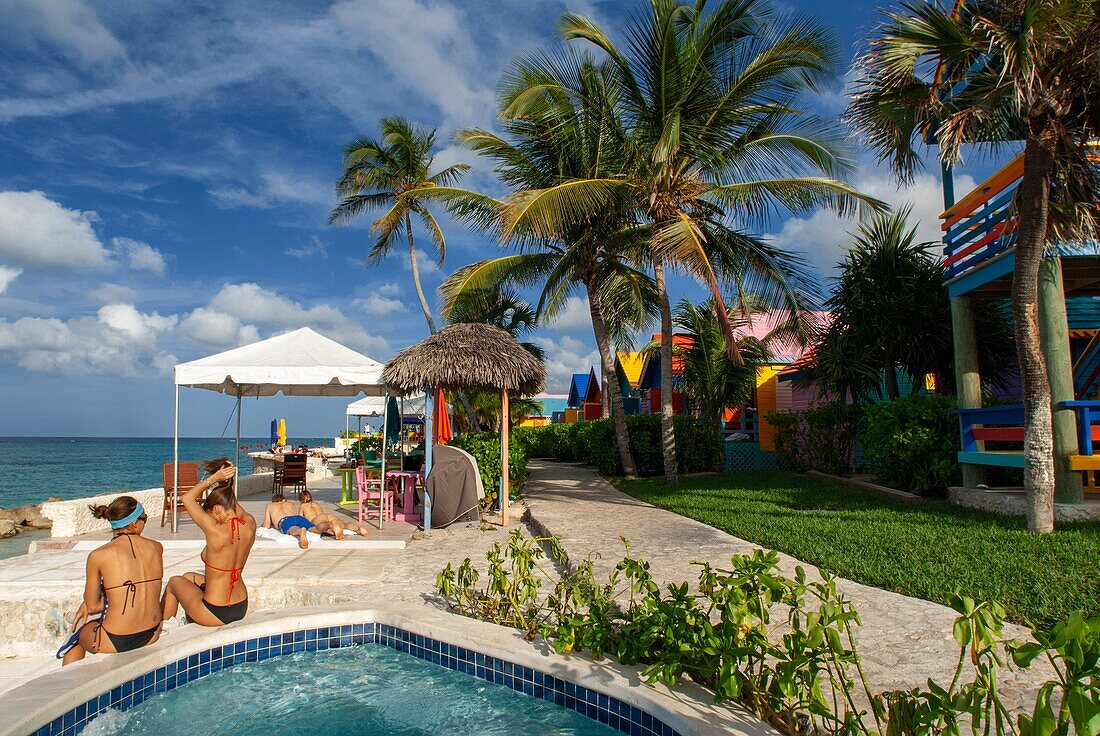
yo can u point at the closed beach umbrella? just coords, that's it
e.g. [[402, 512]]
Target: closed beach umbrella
[[282, 431], [441, 426], [393, 421], [274, 431]]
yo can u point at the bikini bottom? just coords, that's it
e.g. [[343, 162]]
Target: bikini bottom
[[129, 642]]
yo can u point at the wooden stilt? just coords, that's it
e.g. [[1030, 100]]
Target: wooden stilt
[[505, 421]]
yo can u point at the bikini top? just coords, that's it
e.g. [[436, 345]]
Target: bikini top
[[235, 523], [130, 585]]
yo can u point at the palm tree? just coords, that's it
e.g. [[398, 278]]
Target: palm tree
[[377, 173], [566, 130], [714, 381], [987, 73], [890, 309], [709, 98]]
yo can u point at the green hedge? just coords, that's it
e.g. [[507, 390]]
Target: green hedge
[[822, 438], [593, 442], [485, 447], [911, 443]]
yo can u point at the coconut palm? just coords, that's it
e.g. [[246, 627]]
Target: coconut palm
[[986, 73], [377, 173], [566, 130], [709, 98], [712, 380]]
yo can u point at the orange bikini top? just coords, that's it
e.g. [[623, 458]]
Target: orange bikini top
[[235, 523]]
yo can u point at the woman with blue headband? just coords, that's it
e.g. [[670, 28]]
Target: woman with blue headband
[[121, 608]]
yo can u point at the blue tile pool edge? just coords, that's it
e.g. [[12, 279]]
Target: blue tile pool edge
[[592, 704]]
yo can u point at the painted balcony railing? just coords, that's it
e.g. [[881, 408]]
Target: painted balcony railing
[[1005, 424], [981, 225]]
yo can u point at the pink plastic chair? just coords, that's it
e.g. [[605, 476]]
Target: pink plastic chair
[[373, 500]]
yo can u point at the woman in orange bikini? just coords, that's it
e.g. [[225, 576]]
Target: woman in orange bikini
[[121, 608], [219, 596]]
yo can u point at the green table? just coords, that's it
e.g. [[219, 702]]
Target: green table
[[347, 485]]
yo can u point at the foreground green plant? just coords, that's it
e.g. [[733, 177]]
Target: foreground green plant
[[808, 679]]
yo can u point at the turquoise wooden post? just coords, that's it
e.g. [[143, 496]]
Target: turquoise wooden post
[[429, 407]]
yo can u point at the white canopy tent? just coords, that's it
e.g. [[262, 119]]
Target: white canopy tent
[[369, 406], [298, 363]]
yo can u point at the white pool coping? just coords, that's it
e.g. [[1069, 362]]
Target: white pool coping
[[689, 709]]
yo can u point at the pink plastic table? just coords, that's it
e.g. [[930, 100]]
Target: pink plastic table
[[408, 479]]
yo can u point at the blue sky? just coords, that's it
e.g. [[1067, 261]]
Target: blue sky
[[166, 169]]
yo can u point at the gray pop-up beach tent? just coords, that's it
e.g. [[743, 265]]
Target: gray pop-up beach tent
[[298, 363], [455, 486]]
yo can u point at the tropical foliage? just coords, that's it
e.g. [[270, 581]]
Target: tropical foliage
[[987, 73], [707, 99], [783, 647], [889, 309]]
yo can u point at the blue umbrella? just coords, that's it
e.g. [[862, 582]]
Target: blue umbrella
[[274, 431]]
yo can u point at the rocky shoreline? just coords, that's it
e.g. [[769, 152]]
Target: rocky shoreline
[[23, 518]]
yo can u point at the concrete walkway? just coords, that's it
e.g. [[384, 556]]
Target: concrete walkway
[[903, 640]]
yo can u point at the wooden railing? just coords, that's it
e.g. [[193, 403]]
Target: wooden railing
[[1006, 424], [981, 225]]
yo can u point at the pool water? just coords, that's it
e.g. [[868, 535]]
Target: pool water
[[354, 690]]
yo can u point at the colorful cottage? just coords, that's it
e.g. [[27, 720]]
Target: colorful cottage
[[585, 398], [628, 370], [550, 406], [979, 249]]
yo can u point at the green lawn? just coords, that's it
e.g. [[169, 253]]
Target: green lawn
[[925, 549]]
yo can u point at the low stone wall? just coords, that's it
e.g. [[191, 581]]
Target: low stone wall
[[316, 467], [1014, 504], [73, 518]]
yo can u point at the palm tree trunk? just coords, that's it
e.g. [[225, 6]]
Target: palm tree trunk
[[1034, 203], [890, 374], [613, 395], [668, 429], [415, 268]]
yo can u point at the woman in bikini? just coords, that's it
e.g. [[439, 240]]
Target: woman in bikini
[[122, 590], [313, 511], [219, 596]]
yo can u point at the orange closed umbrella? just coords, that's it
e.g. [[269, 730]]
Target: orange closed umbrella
[[441, 421]]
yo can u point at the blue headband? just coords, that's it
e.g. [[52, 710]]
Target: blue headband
[[128, 520]]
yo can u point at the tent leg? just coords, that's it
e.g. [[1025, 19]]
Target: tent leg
[[237, 459], [385, 417], [429, 406], [505, 421], [176, 463]]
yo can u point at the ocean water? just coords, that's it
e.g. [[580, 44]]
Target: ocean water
[[33, 469], [344, 692]]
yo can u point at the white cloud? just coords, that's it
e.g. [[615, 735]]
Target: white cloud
[[377, 306], [141, 256], [315, 247], [574, 315], [69, 26], [7, 275], [217, 328], [251, 304], [274, 188], [37, 231], [118, 341], [425, 263], [565, 357], [391, 288], [823, 237], [113, 294]]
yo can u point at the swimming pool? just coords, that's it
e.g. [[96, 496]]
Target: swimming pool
[[357, 690], [493, 668]]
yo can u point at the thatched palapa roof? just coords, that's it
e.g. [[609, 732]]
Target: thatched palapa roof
[[466, 356]]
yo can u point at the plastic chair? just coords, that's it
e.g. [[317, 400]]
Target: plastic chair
[[368, 484], [189, 478]]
